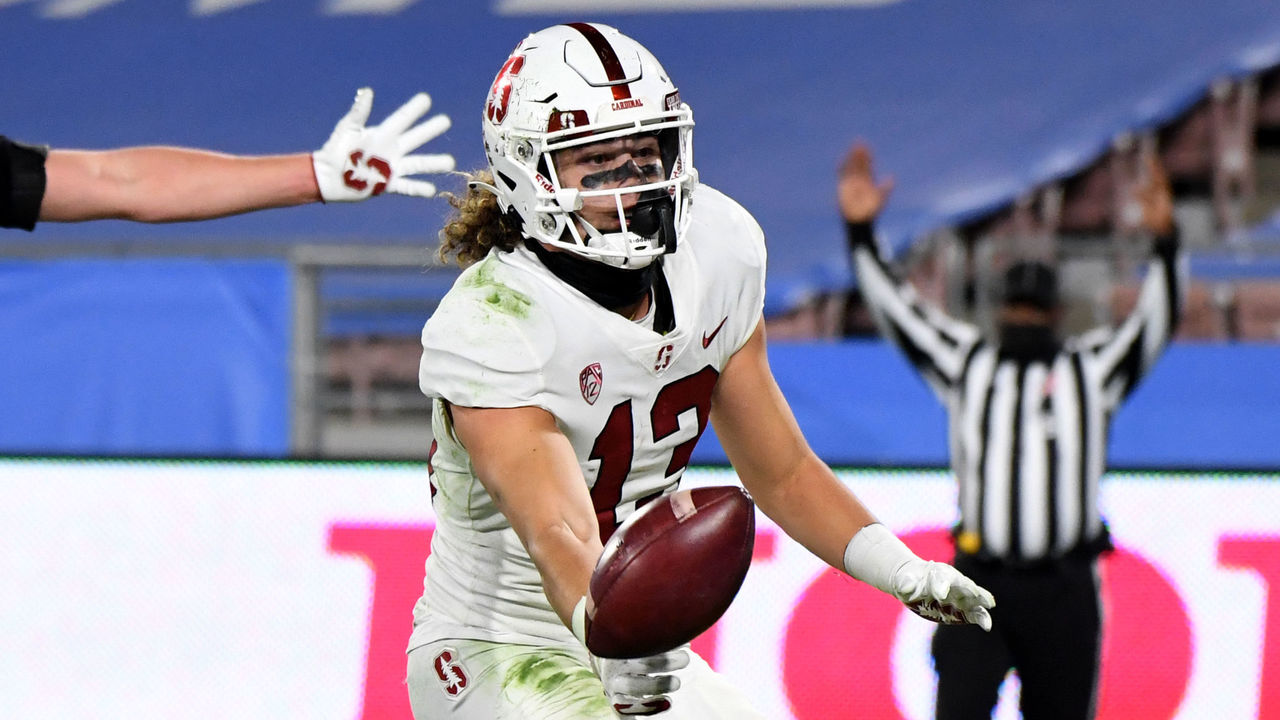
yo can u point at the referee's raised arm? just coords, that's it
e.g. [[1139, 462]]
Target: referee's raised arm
[[1126, 354], [938, 345]]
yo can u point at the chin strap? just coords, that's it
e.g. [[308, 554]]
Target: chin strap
[[664, 315]]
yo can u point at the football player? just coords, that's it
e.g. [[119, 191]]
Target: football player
[[611, 306], [171, 184]]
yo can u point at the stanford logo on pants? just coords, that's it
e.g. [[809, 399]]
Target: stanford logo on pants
[[453, 678]]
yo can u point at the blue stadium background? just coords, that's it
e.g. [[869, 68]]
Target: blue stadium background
[[968, 102]]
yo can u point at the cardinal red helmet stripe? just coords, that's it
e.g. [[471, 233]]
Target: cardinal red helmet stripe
[[608, 58]]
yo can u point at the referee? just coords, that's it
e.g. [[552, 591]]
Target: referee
[[1028, 423]]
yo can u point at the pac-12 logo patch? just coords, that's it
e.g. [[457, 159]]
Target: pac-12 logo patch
[[590, 381], [453, 677]]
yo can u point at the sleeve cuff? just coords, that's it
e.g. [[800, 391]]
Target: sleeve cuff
[[22, 184], [1167, 245], [860, 234]]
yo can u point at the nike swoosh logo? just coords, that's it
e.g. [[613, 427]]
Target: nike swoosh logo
[[706, 339]]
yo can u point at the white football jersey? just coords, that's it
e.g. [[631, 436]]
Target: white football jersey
[[632, 403]]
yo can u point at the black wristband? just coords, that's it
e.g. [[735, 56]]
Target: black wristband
[[860, 233], [22, 183]]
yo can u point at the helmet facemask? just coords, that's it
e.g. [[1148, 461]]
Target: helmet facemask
[[643, 218]]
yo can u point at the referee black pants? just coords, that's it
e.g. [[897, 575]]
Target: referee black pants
[[1046, 625]]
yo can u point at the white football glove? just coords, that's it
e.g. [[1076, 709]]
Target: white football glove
[[359, 162], [641, 686], [933, 590], [637, 686]]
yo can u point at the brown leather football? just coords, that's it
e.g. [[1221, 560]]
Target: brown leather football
[[670, 571]]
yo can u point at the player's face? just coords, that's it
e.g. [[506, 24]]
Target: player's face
[[609, 165]]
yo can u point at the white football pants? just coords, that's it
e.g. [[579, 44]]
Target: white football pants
[[479, 680]]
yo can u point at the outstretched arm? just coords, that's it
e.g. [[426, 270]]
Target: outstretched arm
[[1132, 349], [934, 342], [798, 491], [785, 477], [172, 184]]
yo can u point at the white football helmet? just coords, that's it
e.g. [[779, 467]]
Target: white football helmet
[[572, 85]]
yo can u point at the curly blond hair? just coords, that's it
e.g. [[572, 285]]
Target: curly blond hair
[[476, 225]]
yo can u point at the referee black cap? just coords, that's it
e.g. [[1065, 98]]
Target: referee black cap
[[1031, 282]]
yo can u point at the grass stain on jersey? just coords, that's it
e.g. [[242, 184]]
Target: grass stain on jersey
[[495, 294], [557, 679]]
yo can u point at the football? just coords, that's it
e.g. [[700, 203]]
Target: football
[[670, 571]]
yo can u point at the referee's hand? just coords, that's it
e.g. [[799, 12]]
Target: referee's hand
[[1155, 198], [938, 592], [859, 194]]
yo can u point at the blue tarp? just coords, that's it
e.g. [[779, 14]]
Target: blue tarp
[[1202, 406], [968, 102], [191, 357], [145, 357]]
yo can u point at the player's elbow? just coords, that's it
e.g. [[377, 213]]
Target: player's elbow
[[563, 537]]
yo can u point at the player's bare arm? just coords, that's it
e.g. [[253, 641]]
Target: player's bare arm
[[529, 469], [800, 493], [765, 445], [167, 184], [174, 184]]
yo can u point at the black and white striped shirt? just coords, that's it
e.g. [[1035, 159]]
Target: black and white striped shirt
[[1028, 438]]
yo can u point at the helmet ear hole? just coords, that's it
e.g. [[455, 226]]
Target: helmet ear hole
[[507, 180]]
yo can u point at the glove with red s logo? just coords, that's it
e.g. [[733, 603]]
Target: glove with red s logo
[[360, 161]]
